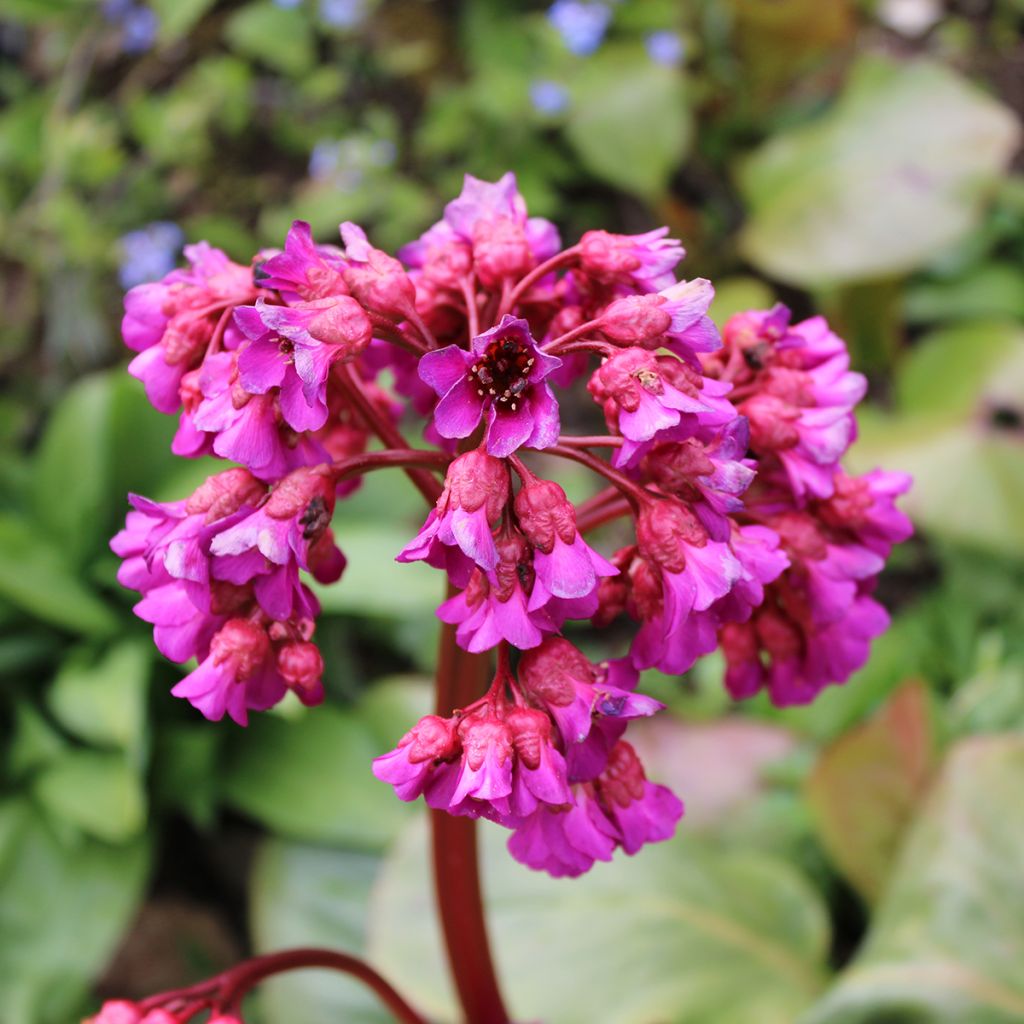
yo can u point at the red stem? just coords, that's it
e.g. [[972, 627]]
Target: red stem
[[461, 678], [620, 480], [591, 441], [400, 458], [604, 514], [556, 261], [392, 437]]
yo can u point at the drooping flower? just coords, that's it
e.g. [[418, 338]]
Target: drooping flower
[[644, 261], [502, 375], [304, 270], [457, 534]]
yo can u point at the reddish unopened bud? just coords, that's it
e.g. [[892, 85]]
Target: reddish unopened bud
[[341, 321], [606, 255], [474, 480], [646, 595], [310, 488], [635, 320], [377, 280], [548, 672], [447, 265], [116, 1011], [485, 738], [772, 423], [242, 642], [230, 598], [544, 512], [515, 565], [674, 466], [662, 530], [618, 380], [739, 643], [622, 780], [160, 1016], [301, 666], [612, 598], [531, 732], [224, 493], [850, 504], [432, 738], [500, 250]]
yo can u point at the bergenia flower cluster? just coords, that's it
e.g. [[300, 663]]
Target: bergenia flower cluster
[[718, 460]]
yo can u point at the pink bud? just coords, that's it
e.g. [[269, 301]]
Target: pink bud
[[117, 1011], [476, 479], [548, 671], [484, 738], [606, 255], [635, 319], [160, 1016], [663, 529], [341, 321], [224, 493], [377, 280], [544, 512], [432, 738], [772, 423], [622, 780], [310, 488], [531, 732], [500, 250], [244, 643], [301, 666]]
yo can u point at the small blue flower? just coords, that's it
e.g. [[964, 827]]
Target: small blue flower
[[343, 13], [139, 24], [150, 252], [548, 97], [581, 25], [666, 48], [323, 161]]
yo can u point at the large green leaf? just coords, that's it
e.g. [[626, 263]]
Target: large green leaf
[[280, 38], [62, 913], [957, 390], [896, 171], [71, 471], [98, 792], [310, 778], [35, 576], [629, 121], [678, 933], [103, 700], [866, 786], [309, 896], [947, 942]]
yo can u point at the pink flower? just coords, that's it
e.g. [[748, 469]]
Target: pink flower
[[170, 322], [645, 396], [117, 1011], [558, 677], [457, 533], [503, 375], [294, 347], [566, 566], [377, 280], [645, 261], [304, 270]]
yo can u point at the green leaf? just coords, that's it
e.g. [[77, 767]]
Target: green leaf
[[629, 122], [36, 577], [374, 584], [35, 742], [991, 290], [310, 778], [308, 896], [947, 940], [279, 37], [103, 700], [178, 16], [97, 792], [881, 183], [958, 388], [867, 785], [681, 932], [71, 478], [62, 914]]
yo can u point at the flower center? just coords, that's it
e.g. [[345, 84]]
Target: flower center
[[502, 373]]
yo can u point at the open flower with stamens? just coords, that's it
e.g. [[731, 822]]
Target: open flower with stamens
[[503, 375]]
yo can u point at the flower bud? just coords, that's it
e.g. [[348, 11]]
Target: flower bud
[[500, 250], [224, 493], [662, 530], [242, 642], [544, 512], [301, 666], [377, 280], [635, 320]]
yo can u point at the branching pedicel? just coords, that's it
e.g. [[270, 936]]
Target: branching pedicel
[[724, 452]]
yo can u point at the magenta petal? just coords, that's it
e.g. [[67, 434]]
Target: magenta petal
[[459, 412], [443, 368]]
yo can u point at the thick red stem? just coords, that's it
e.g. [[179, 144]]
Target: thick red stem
[[461, 678]]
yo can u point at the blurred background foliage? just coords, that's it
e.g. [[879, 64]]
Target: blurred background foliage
[[860, 860]]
